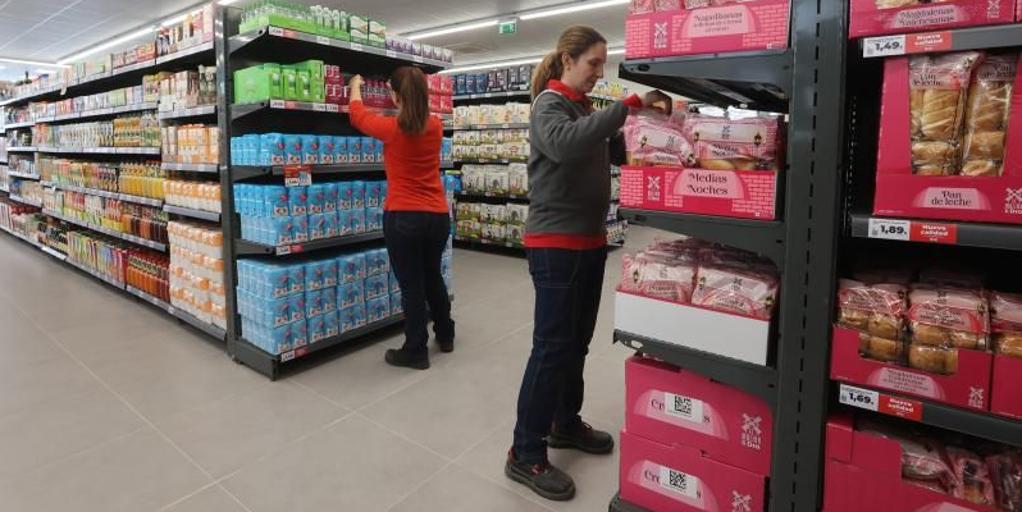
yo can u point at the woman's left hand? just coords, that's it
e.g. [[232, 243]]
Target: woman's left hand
[[356, 82]]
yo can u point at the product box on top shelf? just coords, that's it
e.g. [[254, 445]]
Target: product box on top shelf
[[877, 17], [869, 470], [703, 164], [1006, 324], [693, 294], [663, 477], [663, 28], [950, 128], [671, 405]]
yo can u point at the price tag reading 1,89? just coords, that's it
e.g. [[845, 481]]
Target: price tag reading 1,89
[[858, 397], [883, 46], [890, 229]]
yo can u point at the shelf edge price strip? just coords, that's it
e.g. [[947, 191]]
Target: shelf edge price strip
[[913, 231], [878, 402]]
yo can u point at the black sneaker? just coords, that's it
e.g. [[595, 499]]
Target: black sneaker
[[445, 345], [544, 479], [445, 342], [395, 357], [582, 437]]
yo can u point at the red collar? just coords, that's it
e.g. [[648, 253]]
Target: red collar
[[573, 95]]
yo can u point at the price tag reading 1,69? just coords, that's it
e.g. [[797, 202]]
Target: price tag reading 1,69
[[858, 397], [883, 46], [890, 229]]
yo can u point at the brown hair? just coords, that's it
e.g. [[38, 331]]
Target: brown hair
[[574, 41], [409, 84]]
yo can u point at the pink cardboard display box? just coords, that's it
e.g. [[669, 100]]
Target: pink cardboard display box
[[742, 194], [678, 478], [746, 26], [674, 406], [863, 472], [969, 388], [868, 20], [1006, 392], [899, 193]]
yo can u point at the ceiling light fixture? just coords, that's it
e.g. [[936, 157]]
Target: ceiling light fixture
[[174, 20], [508, 63], [226, 2], [32, 63], [452, 29], [575, 7], [109, 44]]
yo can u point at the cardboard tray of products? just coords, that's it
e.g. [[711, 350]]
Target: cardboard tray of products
[[1006, 392], [867, 19], [739, 194]]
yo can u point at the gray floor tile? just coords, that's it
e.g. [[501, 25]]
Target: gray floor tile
[[30, 384], [138, 472], [457, 490], [353, 465], [211, 499], [225, 435]]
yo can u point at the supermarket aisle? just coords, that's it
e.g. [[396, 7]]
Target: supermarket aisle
[[108, 405]]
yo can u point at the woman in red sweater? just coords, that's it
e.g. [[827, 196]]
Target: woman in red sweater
[[415, 221]]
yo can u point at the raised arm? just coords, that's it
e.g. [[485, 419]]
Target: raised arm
[[561, 138]]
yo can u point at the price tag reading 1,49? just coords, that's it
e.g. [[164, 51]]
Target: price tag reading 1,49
[[297, 176], [883, 46], [858, 397], [890, 229]]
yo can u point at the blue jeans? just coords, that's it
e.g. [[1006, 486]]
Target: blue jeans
[[568, 286], [416, 243]]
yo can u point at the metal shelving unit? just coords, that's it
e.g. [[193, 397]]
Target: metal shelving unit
[[192, 213], [473, 98], [806, 82]]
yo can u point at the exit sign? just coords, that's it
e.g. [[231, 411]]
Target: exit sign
[[507, 27]]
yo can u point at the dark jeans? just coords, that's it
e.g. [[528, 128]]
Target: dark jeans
[[568, 287], [415, 243]]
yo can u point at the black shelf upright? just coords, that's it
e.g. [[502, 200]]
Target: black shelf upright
[[806, 82]]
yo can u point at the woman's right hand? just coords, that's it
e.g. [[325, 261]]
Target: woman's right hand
[[356, 82], [657, 100]]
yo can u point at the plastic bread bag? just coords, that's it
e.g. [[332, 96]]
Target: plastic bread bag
[[658, 276], [971, 480], [1006, 323], [948, 317], [697, 4], [728, 144], [877, 309], [933, 359], [921, 458], [937, 89], [652, 139], [1006, 473], [986, 115], [731, 290], [896, 4]]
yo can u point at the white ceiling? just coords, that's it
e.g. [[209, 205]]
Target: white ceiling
[[48, 30]]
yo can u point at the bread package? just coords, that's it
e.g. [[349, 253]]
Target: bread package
[[971, 480], [734, 290], [986, 115], [896, 4], [662, 276], [728, 144], [932, 359], [878, 309], [948, 317], [1006, 473], [937, 89], [881, 349], [652, 139], [1006, 323]]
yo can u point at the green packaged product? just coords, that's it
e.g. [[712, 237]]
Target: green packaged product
[[359, 29], [290, 79], [318, 90], [276, 82], [251, 85], [304, 85], [377, 33]]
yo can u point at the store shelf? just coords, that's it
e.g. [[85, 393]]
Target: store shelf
[[502, 126], [971, 38], [754, 379], [247, 248], [141, 107], [159, 303], [148, 201], [206, 110], [619, 505], [210, 329], [53, 252], [244, 172], [206, 168], [102, 151], [24, 238], [239, 111], [25, 200], [490, 195], [753, 80], [21, 149], [23, 175], [14, 126], [967, 234], [109, 232], [763, 237], [186, 53], [488, 161], [488, 95], [192, 213], [95, 274], [257, 37], [974, 423]]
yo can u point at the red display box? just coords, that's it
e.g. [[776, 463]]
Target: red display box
[[678, 478], [1006, 392], [671, 406], [867, 20], [863, 472], [969, 388], [747, 26], [742, 194], [899, 193]]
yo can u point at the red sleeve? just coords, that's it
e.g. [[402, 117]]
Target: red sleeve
[[633, 101], [370, 123]]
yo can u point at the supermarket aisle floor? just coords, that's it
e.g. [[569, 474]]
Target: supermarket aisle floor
[[108, 405]]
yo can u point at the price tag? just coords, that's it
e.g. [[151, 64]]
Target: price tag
[[417, 58], [357, 47], [287, 356], [391, 53], [299, 352], [934, 232], [291, 105], [319, 107], [323, 40], [332, 107], [297, 175], [276, 31], [929, 42], [889, 229], [884, 46], [276, 103], [858, 397], [281, 250]]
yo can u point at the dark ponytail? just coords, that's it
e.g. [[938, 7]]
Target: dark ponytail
[[409, 84], [574, 41]]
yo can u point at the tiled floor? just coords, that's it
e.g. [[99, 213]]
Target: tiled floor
[[108, 405]]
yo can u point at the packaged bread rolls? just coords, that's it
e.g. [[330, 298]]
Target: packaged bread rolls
[[937, 90], [726, 144], [733, 290], [948, 317], [658, 274], [877, 309], [1006, 323], [883, 349], [986, 115], [931, 359]]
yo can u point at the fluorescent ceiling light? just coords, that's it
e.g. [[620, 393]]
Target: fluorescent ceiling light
[[110, 44], [616, 51], [174, 20], [489, 65], [452, 29], [32, 63], [575, 7], [227, 2]]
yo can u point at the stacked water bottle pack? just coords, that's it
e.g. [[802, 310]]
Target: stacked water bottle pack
[[278, 215], [307, 149]]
